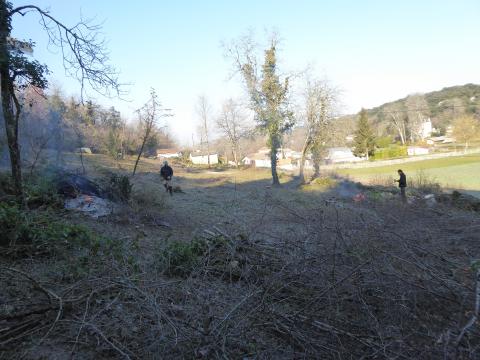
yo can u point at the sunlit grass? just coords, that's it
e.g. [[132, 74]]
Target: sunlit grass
[[460, 172]]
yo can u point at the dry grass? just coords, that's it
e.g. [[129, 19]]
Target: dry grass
[[271, 273]]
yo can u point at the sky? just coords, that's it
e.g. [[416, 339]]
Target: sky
[[373, 51]]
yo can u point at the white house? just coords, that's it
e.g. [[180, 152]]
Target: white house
[[349, 138], [440, 140], [417, 150], [341, 154], [168, 153], [257, 160], [202, 159], [426, 129], [84, 150]]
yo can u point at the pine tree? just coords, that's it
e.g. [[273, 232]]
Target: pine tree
[[364, 142]]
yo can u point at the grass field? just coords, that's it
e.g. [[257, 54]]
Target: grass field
[[460, 172]]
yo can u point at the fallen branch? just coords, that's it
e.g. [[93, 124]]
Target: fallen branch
[[474, 318]]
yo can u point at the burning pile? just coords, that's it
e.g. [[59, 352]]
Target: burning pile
[[82, 194]]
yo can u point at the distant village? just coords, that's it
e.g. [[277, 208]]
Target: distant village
[[288, 159]]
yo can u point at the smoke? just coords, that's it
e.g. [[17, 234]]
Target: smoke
[[347, 189]]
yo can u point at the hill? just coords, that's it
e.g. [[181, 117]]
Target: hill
[[441, 106]]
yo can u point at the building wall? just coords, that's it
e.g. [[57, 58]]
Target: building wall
[[338, 155], [262, 163], [168, 156], [203, 159], [415, 150]]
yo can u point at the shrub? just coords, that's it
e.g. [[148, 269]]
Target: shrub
[[6, 184], [78, 249], [425, 183], [42, 190], [180, 258], [11, 220], [382, 180], [391, 152], [119, 188], [147, 196], [383, 142], [324, 182], [42, 231]]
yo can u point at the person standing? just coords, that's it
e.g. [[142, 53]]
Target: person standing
[[402, 184], [166, 172]]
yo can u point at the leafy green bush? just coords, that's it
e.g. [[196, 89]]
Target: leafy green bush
[[391, 152], [42, 190], [6, 184], [180, 258], [11, 222], [383, 142], [39, 190], [45, 234]]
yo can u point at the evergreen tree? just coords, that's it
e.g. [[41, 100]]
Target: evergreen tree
[[115, 126], [364, 142]]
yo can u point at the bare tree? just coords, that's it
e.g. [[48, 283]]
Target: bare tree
[[204, 112], [149, 116], [320, 103], [466, 129], [417, 112], [232, 124], [396, 116], [84, 57], [34, 125]]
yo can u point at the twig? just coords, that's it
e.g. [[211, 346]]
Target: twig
[[102, 335], [46, 291], [474, 318]]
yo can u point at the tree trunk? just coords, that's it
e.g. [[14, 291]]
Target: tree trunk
[[10, 115], [273, 161], [139, 155], [305, 149], [316, 168], [208, 145], [235, 159], [81, 161], [316, 158], [11, 127], [402, 135]]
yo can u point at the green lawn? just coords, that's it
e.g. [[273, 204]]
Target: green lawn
[[459, 172]]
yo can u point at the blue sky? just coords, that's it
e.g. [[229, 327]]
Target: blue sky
[[375, 51]]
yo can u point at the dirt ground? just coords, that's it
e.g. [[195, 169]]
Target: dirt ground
[[317, 271]]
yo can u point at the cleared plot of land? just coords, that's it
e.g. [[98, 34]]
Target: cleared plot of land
[[245, 270], [461, 172]]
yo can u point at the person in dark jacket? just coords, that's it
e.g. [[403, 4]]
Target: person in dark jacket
[[402, 184], [166, 172]]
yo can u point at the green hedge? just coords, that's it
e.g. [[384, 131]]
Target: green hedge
[[390, 153]]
